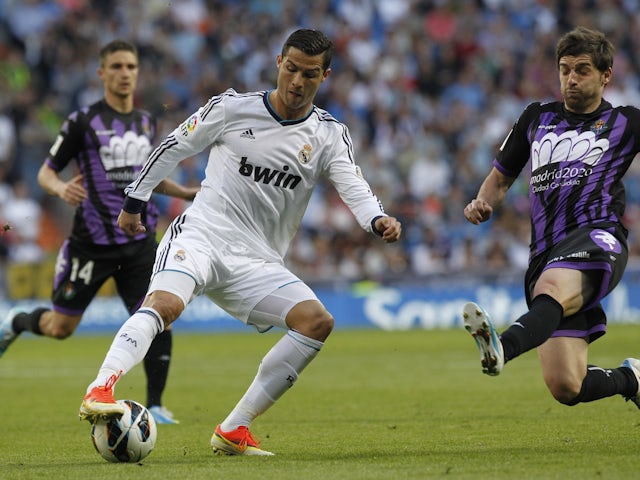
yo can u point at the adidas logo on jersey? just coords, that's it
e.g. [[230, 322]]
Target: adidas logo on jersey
[[248, 134]]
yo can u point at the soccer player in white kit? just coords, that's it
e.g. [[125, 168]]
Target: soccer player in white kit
[[268, 150]]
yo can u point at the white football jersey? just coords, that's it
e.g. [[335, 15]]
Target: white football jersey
[[261, 170]]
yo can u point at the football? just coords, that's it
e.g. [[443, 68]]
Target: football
[[127, 439]]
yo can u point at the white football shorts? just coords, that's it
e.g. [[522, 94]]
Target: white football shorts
[[254, 291]]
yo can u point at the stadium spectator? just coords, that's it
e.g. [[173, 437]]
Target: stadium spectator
[[420, 47], [23, 214]]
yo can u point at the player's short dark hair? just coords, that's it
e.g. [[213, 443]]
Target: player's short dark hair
[[117, 46], [582, 40], [311, 42]]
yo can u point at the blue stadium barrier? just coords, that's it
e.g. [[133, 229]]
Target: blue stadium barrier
[[368, 305]]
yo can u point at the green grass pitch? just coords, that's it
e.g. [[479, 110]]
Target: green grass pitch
[[373, 405]]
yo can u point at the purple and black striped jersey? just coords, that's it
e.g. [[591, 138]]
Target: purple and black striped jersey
[[577, 164], [110, 149]]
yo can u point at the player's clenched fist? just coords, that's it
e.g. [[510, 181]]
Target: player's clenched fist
[[130, 223], [478, 211], [389, 227]]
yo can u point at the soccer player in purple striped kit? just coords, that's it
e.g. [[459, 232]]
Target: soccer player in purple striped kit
[[579, 150], [109, 140]]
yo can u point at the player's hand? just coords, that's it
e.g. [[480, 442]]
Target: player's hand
[[73, 192], [390, 227], [130, 223], [478, 211]]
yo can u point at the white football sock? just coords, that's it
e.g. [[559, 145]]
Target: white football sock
[[130, 344], [277, 373]]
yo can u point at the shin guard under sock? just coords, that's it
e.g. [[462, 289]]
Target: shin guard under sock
[[277, 373], [533, 328], [600, 383], [130, 345]]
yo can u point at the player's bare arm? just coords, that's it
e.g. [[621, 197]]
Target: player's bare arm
[[491, 195], [174, 189], [390, 227], [71, 191]]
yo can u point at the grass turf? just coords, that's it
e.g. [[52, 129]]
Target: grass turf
[[373, 405]]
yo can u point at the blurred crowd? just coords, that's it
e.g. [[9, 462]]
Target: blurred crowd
[[428, 88]]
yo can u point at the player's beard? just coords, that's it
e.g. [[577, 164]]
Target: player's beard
[[578, 102]]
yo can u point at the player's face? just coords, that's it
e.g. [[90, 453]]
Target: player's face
[[119, 73], [299, 77], [581, 83]]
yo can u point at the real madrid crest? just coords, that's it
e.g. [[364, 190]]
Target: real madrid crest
[[304, 155]]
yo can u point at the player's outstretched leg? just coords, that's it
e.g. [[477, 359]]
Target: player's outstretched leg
[[237, 442], [100, 404], [7, 334], [634, 365], [479, 325]]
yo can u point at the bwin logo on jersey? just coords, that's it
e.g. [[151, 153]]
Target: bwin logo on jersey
[[268, 176], [568, 147]]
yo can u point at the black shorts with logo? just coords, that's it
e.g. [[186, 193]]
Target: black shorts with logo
[[602, 248], [81, 269]]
